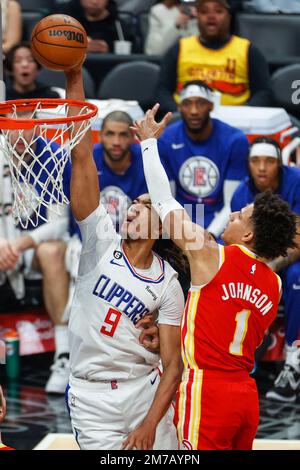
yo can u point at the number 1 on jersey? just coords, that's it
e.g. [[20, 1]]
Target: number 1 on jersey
[[112, 319], [241, 318]]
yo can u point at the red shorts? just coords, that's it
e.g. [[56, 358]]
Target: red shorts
[[217, 411]]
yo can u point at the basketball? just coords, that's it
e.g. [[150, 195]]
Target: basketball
[[58, 42]]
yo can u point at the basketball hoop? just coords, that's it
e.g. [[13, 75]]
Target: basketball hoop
[[38, 149]]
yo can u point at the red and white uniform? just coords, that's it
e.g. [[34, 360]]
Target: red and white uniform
[[223, 324]]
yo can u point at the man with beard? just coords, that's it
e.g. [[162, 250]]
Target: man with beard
[[228, 63], [205, 157], [119, 164], [118, 161]]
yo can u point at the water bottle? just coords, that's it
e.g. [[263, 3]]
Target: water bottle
[[12, 366]]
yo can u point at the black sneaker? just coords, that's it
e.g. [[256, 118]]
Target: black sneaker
[[286, 386]]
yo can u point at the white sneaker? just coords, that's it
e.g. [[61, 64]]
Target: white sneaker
[[59, 377]]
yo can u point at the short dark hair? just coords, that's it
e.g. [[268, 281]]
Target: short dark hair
[[9, 58], [118, 116], [274, 226], [198, 83]]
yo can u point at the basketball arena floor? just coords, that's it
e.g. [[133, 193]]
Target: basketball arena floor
[[36, 420]]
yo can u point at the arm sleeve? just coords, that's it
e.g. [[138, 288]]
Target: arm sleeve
[[157, 180], [56, 229], [218, 224], [172, 306], [168, 80], [259, 76]]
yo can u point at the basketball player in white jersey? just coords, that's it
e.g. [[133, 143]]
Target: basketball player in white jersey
[[116, 397]]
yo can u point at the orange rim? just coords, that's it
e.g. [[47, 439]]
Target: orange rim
[[50, 103]]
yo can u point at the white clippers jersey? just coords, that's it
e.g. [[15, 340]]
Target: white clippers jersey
[[110, 297]]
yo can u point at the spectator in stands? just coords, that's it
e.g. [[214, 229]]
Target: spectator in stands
[[266, 172], [23, 70], [228, 63], [38, 249], [119, 161], [99, 18], [168, 21], [11, 24], [205, 157]]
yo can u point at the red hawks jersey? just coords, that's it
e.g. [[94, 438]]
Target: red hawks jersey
[[225, 320]]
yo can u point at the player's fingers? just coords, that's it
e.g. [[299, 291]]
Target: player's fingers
[[155, 109], [145, 322], [166, 119]]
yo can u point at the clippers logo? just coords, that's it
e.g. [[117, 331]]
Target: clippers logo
[[253, 269], [199, 176], [186, 445], [69, 35], [116, 203]]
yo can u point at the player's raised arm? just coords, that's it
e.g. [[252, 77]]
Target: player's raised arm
[[85, 192], [176, 221]]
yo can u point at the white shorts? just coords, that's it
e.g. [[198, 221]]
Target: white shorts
[[103, 416]]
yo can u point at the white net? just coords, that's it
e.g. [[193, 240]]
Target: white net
[[39, 160]]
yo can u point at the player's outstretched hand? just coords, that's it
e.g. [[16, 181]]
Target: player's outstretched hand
[[142, 438], [147, 127], [149, 337]]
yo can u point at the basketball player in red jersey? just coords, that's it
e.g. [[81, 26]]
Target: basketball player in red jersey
[[232, 302]]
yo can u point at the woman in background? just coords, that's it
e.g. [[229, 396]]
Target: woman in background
[[169, 20]]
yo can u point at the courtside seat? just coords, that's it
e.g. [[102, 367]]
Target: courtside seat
[[44, 6], [277, 36], [57, 79], [285, 83], [131, 81], [29, 20]]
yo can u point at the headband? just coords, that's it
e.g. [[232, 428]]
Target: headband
[[196, 91], [264, 149]]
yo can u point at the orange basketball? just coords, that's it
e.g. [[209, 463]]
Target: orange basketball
[[58, 42]]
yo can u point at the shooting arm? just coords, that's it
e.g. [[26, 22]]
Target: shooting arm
[[85, 193]]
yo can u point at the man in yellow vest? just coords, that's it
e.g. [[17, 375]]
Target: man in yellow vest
[[227, 63]]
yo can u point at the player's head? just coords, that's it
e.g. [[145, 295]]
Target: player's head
[[141, 221], [116, 135], [265, 162], [22, 67], [2, 405], [213, 19], [267, 227], [196, 102]]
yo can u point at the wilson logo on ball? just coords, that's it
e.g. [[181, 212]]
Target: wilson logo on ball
[[69, 35]]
